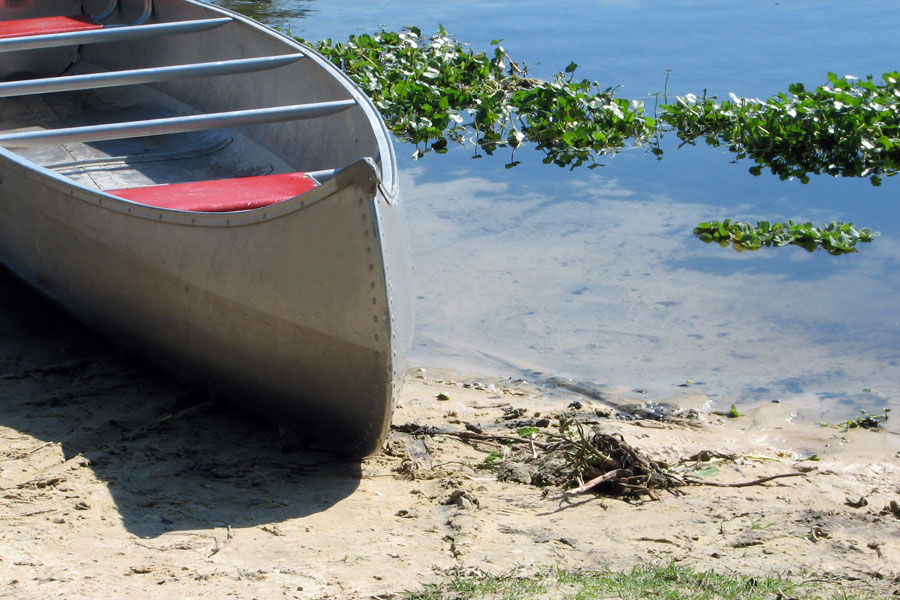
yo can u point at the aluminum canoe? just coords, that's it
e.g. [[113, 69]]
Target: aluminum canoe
[[214, 195]]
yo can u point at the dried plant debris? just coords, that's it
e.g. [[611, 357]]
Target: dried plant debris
[[571, 459], [606, 464], [578, 460]]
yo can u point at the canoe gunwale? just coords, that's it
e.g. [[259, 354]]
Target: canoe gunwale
[[363, 172]]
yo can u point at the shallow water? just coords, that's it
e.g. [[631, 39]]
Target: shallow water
[[539, 272]]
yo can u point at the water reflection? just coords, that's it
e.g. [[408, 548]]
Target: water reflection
[[596, 275], [272, 12]]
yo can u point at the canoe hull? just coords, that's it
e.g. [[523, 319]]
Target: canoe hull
[[312, 331], [299, 310]]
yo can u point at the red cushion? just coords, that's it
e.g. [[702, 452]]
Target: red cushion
[[224, 195], [46, 25]]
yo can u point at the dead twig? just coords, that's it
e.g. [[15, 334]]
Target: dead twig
[[39, 512], [470, 435], [695, 481], [30, 452], [613, 475], [218, 548]]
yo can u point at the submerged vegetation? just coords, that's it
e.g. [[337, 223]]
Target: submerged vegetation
[[435, 90]]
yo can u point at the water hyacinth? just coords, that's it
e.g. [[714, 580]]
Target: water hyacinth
[[835, 237], [434, 90], [850, 128]]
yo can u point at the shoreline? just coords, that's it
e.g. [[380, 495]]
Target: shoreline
[[207, 502]]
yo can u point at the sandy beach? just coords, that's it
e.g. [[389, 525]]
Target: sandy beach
[[116, 477]]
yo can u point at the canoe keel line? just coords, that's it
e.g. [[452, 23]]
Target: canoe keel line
[[274, 265]]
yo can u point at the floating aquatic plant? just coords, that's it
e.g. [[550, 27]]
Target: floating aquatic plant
[[848, 127], [433, 90], [835, 237]]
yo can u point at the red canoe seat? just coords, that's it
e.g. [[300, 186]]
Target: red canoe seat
[[46, 26], [223, 195]]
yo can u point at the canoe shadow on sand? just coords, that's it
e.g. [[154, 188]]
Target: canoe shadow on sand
[[172, 458]]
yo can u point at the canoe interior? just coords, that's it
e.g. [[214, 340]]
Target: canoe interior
[[302, 308], [306, 145], [138, 162]]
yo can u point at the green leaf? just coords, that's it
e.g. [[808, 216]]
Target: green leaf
[[706, 472], [493, 457]]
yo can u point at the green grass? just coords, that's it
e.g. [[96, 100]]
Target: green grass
[[644, 581]]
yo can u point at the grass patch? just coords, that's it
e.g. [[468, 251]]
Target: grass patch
[[670, 582]]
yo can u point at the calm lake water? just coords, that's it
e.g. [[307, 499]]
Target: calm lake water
[[539, 272]]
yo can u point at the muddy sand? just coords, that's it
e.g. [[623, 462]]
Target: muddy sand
[[119, 480]]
